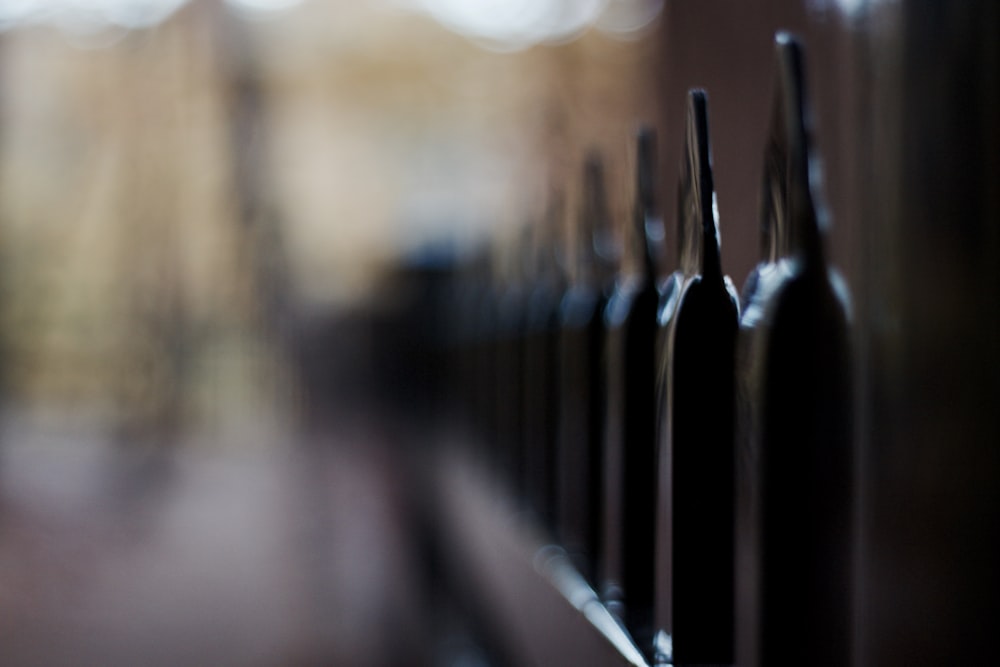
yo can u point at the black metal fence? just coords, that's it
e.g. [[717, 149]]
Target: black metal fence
[[710, 462]]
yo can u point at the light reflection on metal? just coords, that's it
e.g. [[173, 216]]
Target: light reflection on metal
[[851, 11], [554, 564]]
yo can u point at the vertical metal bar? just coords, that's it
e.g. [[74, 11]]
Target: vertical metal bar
[[630, 484], [799, 432], [698, 435], [581, 383]]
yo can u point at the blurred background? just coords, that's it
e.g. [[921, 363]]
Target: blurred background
[[175, 173], [210, 212], [228, 230]]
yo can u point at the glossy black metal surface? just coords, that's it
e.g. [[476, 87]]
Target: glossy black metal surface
[[630, 461], [669, 297], [796, 428], [540, 350], [471, 380], [698, 435], [581, 380], [508, 355]]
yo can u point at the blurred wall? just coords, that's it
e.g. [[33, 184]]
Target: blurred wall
[[174, 198]]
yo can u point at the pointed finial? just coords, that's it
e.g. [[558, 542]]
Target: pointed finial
[[598, 229], [697, 194], [648, 227], [788, 158]]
